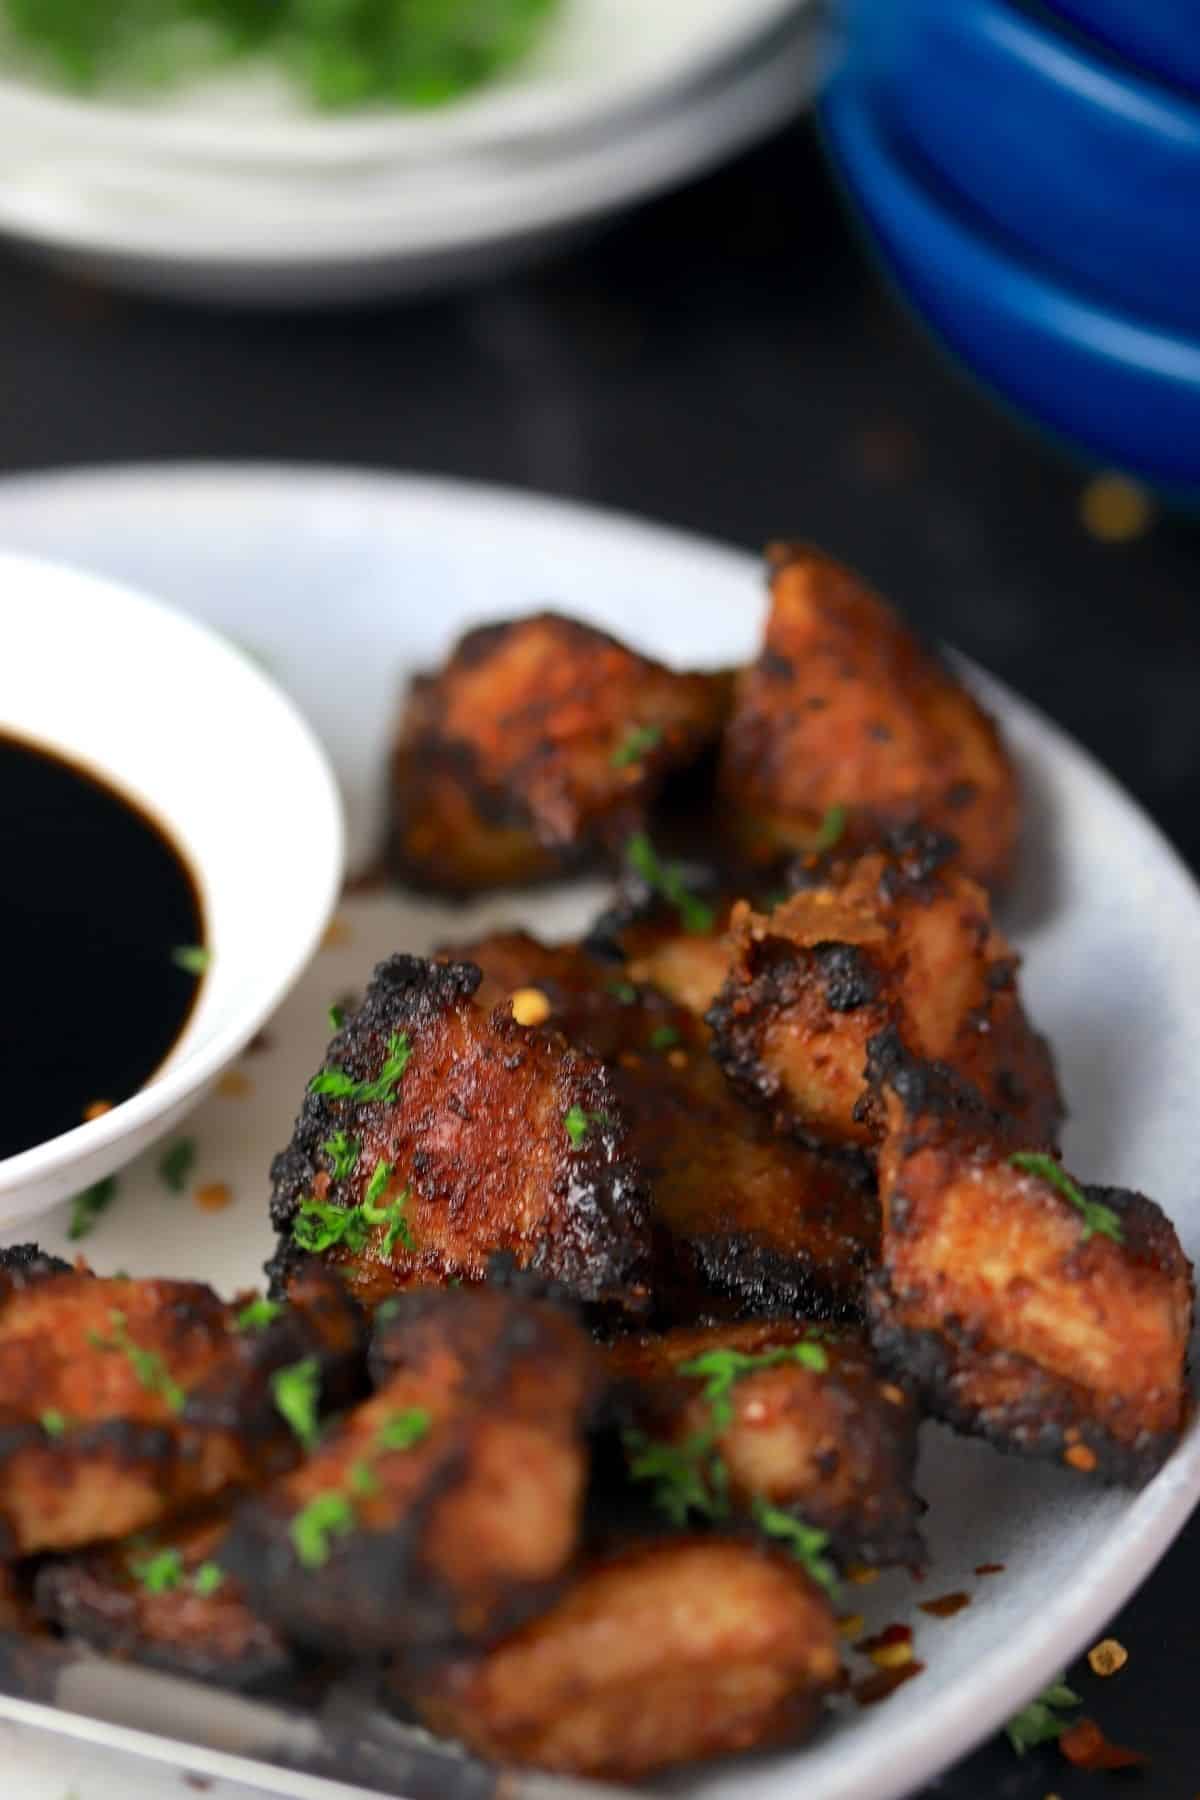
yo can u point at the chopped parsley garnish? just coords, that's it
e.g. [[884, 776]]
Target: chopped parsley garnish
[[695, 915], [344, 1087], [364, 1482], [160, 1573], [577, 1123], [326, 1516], [175, 1164], [258, 1314], [320, 1225], [337, 1016], [342, 1152], [624, 991], [53, 1422], [1040, 1721], [664, 1037], [192, 958], [805, 1542], [149, 1367], [638, 741], [377, 1186], [687, 1478], [296, 1391], [1098, 1220], [722, 1369], [403, 1429], [207, 1579], [830, 830], [87, 1207]]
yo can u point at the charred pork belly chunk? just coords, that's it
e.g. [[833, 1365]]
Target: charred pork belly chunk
[[664, 1653], [439, 1133], [778, 1423], [446, 1508], [845, 721], [122, 1401], [539, 748], [894, 941], [1046, 1315], [165, 1599]]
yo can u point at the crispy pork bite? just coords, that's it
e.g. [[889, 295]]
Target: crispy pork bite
[[666, 1653], [846, 717], [895, 940], [122, 1402], [438, 1134], [536, 749], [775, 1417], [1049, 1317], [446, 1508], [164, 1599]]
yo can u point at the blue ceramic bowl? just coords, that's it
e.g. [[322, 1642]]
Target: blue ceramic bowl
[[1126, 390], [1092, 171], [1161, 36]]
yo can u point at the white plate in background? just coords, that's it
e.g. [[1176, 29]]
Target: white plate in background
[[345, 583]]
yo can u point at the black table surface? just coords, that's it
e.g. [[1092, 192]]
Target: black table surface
[[727, 361]]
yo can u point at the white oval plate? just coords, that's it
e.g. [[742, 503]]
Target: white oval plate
[[345, 583], [598, 60]]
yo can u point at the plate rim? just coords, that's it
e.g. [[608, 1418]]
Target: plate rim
[[926, 1740]]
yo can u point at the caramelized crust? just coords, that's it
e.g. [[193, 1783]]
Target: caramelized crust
[[834, 1444], [468, 1524], [141, 1602], [474, 1147], [1014, 1320], [123, 1401], [844, 708], [665, 1654], [894, 941], [537, 748]]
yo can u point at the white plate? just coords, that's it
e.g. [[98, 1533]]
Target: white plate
[[598, 60], [389, 232], [345, 582]]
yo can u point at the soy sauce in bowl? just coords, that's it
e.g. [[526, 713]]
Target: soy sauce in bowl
[[101, 935]]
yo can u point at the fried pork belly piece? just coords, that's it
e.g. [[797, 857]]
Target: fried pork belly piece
[[666, 1653], [165, 1600], [896, 940], [1047, 1316], [846, 712], [445, 1509], [122, 1402], [799, 1418], [438, 1134], [538, 748]]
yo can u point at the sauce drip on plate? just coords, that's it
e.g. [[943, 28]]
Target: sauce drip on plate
[[94, 902]]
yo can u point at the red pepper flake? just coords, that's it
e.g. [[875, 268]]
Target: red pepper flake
[[259, 1043], [945, 1606], [877, 1687], [887, 1638], [989, 1568], [1086, 1746]]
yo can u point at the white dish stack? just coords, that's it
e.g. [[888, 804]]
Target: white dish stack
[[231, 191]]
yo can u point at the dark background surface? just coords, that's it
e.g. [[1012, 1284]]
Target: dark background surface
[[726, 361]]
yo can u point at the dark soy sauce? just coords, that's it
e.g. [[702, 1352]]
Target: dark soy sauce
[[94, 900]]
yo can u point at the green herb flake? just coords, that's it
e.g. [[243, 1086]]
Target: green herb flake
[[722, 1369], [377, 1186], [1098, 1220], [87, 1207], [208, 1578], [1040, 1721], [341, 1086], [695, 915], [53, 1422], [326, 1516], [664, 1037], [296, 1391], [830, 830], [342, 1152], [364, 1483], [149, 1367], [404, 1429], [686, 1478], [160, 1573], [175, 1165], [258, 1314], [805, 1542], [638, 741], [575, 1124], [193, 959], [624, 991], [337, 1017]]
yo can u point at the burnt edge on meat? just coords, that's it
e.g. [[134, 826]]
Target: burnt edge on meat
[[23, 1264]]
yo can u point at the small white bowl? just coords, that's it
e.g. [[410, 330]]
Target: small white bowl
[[179, 720]]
